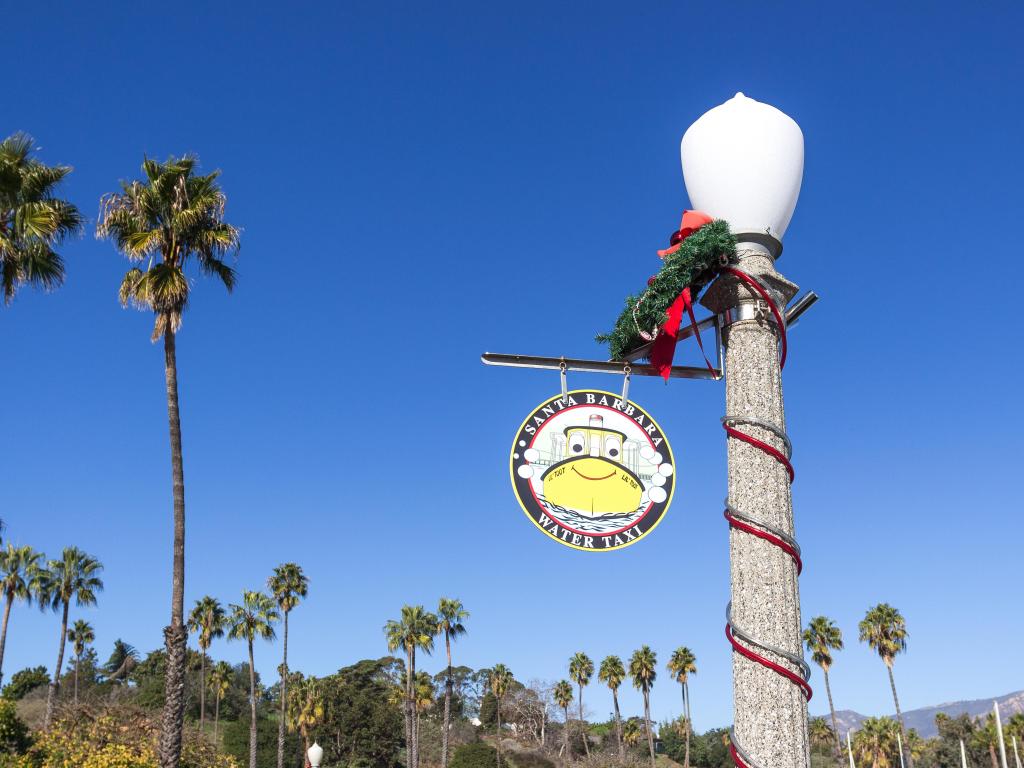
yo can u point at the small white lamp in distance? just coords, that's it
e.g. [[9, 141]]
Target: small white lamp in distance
[[315, 754]]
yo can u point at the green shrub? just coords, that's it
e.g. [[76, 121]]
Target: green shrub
[[14, 737], [478, 755], [530, 760]]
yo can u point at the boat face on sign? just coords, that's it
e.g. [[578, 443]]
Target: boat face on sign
[[593, 479]]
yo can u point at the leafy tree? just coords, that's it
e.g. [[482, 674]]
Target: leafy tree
[[219, 684], [681, 665], [25, 680], [288, 585], [236, 741], [643, 668], [364, 726], [563, 697], [175, 216], [885, 631], [451, 615], [413, 630], [19, 574], [479, 755], [14, 737], [32, 220], [581, 668], [81, 635], [822, 637], [501, 680], [253, 618], [207, 620], [74, 577], [612, 673]]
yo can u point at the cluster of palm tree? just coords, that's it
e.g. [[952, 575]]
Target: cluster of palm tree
[[170, 219], [415, 630], [74, 577], [251, 619], [642, 671], [885, 631]]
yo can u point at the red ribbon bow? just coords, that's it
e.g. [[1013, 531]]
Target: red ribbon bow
[[663, 349]]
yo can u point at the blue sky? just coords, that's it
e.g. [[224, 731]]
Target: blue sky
[[420, 184]]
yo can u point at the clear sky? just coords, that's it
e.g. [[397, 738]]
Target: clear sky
[[418, 183]]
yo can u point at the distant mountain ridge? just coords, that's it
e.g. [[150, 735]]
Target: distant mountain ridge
[[923, 720]]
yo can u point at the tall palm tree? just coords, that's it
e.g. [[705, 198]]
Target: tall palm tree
[[643, 668], [822, 637], [612, 673], [875, 743], [208, 620], [563, 697], [681, 665], [19, 580], [986, 737], [76, 576], [173, 217], [450, 617], [32, 220], [81, 635], [581, 668], [220, 683], [288, 585], [253, 618], [414, 630], [501, 681], [884, 630]]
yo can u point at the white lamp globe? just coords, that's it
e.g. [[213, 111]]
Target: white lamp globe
[[315, 755], [743, 161]]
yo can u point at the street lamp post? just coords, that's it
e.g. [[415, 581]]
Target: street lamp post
[[315, 754], [743, 162]]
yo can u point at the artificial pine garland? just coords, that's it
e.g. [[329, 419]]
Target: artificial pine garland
[[691, 264]]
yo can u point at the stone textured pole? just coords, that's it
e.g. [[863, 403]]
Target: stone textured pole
[[770, 712]]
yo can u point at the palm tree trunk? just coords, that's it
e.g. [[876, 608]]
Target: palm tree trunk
[[618, 724], [405, 708], [175, 634], [498, 712], [216, 721], [992, 755], [689, 725], [565, 733], [899, 715], [583, 725], [832, 710], [78, 663], [51, 695], [3, 631], [202, 687], [647, 720], [284, 696], [447, 702], [252, 708]]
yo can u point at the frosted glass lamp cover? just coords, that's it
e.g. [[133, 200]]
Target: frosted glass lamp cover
[[743, 161], [315, 755]]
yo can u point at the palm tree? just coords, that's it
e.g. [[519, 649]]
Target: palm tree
[[74, 577], [207, 619], [220, 683], [413, 631], [681, 665], [19, 580], [820, 733], [822, 637], [563, 697], [122, 661], [631, 733], [288, 585], [305, 710], [612, 673], [173, 217], [423, 695], [581, 668], [884, 630], [643, 668], [986, 737], [32, 220], [254, 618], [81, 634], [875, 742], [450, 614], [501, 681]]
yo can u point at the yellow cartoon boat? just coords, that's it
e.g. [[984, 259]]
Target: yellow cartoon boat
[[592, 478]]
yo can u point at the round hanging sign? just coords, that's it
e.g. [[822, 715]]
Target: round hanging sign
[[591, 471]]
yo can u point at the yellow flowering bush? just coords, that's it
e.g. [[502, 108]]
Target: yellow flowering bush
[[112, 737]]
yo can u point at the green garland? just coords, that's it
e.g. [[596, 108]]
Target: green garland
[[690, 264]]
